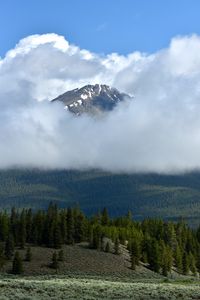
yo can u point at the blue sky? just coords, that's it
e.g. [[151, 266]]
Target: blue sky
[[101, 26]]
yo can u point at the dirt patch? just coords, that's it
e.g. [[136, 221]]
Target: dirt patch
[[80, 259]]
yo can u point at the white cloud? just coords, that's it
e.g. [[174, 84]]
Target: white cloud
[[158, 131]]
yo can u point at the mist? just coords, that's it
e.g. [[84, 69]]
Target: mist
[[158, 130]]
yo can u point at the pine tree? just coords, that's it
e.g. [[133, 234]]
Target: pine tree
[[40, 233], [70, 226], [50, 238], [54, 263], [29, 217], [57, 237], [169, 258], [102, 243], [135, 251], [133, 262], [186, 263], [91, 238], [166, 258], [104, 217], [61, 255], [17, 267], [154, 256], [9, 247], [145, 247], [14, 218], [198, 234], [97, 237], [22, 230], [79, 231], [170, 235], [107, 248], [178, 259], [2, 257], [28, 256], [129, 218], [192, 264], [63, 226], [4, 226], [198, 259], [116, 247]]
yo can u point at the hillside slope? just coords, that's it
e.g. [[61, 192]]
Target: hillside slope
[[151, 195]]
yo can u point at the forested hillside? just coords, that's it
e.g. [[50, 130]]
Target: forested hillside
[[160, 246], [169, 197]]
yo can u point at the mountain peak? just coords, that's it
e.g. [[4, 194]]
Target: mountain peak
[[91, 99]]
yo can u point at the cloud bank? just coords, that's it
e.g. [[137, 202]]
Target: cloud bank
[[157, 131]]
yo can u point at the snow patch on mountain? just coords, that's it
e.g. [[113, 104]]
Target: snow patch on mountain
[[91, 99]]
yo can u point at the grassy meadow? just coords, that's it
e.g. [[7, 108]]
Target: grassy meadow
[[60, 287]]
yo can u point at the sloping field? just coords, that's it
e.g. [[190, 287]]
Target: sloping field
[[81, 260]]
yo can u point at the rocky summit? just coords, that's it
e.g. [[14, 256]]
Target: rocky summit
[[91, 99]]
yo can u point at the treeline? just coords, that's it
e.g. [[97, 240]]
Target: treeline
[[160, 245]]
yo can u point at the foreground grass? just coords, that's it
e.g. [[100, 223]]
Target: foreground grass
[[93, 288]]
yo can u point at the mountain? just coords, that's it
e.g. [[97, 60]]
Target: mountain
[[91, 99], [166, 196]]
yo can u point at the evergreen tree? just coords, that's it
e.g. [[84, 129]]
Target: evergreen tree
[[28, 256], [54, 263], [104, 217], [2, 257], [79, 231], [57, 237], [190, 242], [116, 247], [186, 263], [178, 259], [135, 251], [61, 255], [133, 262], [70, 226], [170, 235], [4, 226], [107, 248], [97, 238], [17, 267], [129, 218], [9, 247], [40, 233], [192, 264], [22, 229], [198, 258], [166, 258], [164, 270], [102, 243], [154, 256], [52, 211], [145, 247], [96, 219], [29, 217], [169, 258], [91, 238], [63, 226], [50, 238], [14, 218]]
